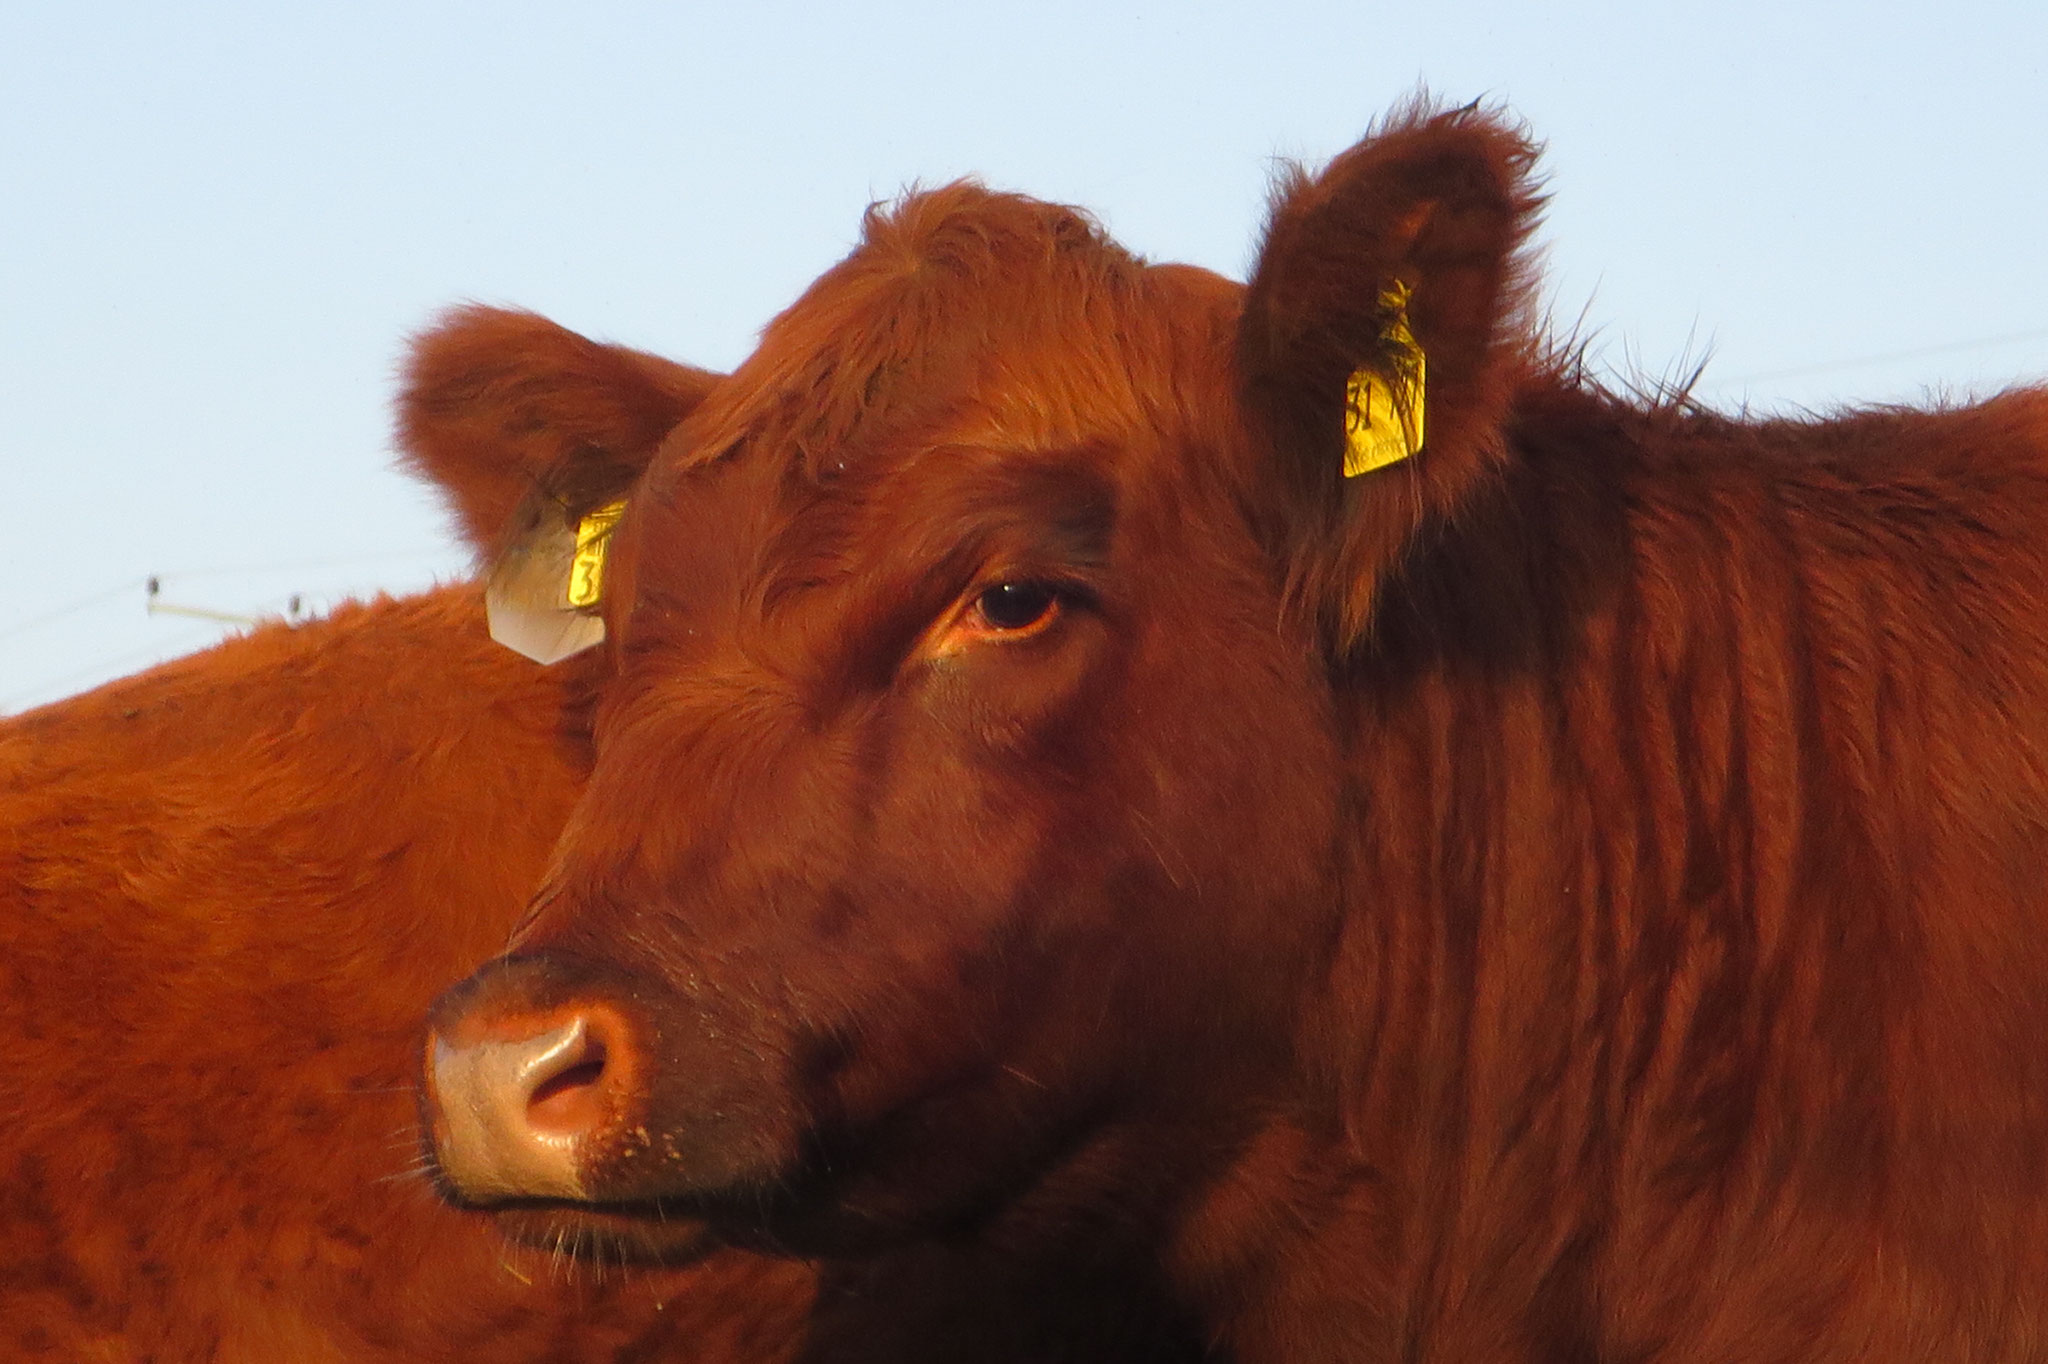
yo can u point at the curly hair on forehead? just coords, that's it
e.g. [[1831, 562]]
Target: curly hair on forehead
[[971, 229], [900, 327]]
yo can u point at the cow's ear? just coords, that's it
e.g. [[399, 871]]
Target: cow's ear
[[497, 406], [1379, 340]]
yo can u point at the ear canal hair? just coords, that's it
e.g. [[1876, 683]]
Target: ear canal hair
[[498, 405], [1415, 234]]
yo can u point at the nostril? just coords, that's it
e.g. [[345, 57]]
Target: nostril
[[562, 1080], [516, 1102], [570, 1102]]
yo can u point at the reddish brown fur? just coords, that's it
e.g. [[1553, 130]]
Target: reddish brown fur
[[229, 890], [1580, 893], [232, 886], [501, 431]]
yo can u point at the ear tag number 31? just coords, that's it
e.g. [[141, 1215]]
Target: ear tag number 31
[[1383, 411]]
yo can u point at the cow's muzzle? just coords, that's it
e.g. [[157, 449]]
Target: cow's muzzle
[[521, 1097]]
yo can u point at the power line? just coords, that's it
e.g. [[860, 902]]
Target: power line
[[1831, 366], [69, 608], [107, 668], [93, 599], [303, 565]]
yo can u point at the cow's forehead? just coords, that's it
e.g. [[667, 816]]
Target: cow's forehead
[[963, 315]]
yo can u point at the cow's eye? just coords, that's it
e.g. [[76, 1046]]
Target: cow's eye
[[1009, 608]]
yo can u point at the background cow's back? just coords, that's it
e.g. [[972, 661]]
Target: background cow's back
[[231, 886]]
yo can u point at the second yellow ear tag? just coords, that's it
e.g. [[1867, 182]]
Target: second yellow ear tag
[[1383, 411]]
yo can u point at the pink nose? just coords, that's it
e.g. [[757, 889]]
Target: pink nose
[[514, 1110]]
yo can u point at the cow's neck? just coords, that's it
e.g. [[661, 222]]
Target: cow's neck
[[1573, 863], [1438, 1045]]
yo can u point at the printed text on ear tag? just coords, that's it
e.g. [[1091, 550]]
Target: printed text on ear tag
[[593, 542], [1383, 411]]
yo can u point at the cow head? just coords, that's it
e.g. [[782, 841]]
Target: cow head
[[967, 825]]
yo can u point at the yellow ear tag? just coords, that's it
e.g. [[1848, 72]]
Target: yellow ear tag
[[1383, 413], [593, 542], [544, 589]]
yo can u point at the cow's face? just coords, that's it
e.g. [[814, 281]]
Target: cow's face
[[965, 829]]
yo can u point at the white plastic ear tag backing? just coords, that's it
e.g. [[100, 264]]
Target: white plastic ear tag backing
[[545, 589]]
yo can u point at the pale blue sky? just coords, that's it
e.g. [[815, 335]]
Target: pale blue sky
[[218, 222]]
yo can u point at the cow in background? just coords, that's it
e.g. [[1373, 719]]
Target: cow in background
[[231, 885], [229, 889], [1461, 865]]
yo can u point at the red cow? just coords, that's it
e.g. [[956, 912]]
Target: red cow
[[231, 887], [229, 890], [1576, 889]]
